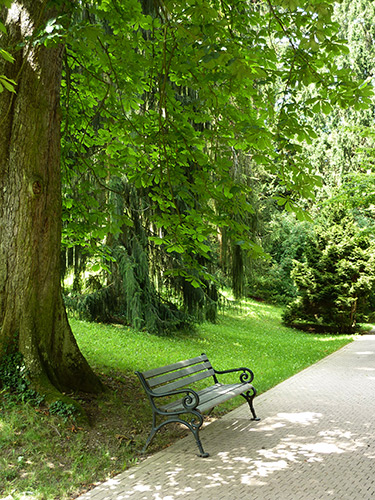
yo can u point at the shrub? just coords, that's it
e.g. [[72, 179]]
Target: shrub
[[337, 276]]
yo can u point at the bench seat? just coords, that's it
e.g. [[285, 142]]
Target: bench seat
[[211, 396], [175, 392]]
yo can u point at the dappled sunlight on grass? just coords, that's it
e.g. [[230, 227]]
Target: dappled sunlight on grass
[[255, 312]]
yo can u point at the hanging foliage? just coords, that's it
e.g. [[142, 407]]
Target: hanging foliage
[[166, 96]]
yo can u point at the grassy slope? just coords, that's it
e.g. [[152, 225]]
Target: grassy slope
[[55, 459], [252, 336]]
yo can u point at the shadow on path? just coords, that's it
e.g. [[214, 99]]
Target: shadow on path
[[315, 441]]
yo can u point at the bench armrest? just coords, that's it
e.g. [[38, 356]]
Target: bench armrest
[[246, 376], [190, 401]]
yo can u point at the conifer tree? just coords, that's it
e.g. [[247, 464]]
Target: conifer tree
[[336, 277]]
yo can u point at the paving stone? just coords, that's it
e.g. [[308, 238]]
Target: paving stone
[[315, 441]]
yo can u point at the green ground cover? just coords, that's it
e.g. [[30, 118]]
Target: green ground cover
[[45, 456]]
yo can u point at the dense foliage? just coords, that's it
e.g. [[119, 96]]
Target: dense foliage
[[166, 150], [270, 279], [343, 154], [336, 277], [189, 132]]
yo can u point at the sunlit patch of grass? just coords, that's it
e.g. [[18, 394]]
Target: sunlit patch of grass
[[250, 334]]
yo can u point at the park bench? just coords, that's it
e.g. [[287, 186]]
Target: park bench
[[171, 395]]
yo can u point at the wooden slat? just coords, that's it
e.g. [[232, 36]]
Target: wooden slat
[[221, 394], [212, 396], [176, 374], [184, 382], [175, 366]]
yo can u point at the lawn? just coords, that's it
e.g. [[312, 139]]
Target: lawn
[[45, 457], [251, 335]]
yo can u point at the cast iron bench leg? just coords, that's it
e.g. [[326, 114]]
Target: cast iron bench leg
[[193, 426], [202, 453], [153, 431], [249, 396]]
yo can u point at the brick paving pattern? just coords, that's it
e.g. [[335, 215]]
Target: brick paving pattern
[[315, 441]]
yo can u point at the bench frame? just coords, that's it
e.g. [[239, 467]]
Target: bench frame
[[172, 380]]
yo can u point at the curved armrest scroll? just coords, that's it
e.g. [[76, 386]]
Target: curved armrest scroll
[[246, 376], [190, 401]]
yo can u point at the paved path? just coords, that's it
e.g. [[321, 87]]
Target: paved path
[[315, 441]]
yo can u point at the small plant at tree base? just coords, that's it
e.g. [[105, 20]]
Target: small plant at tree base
[[15, 385], [14, 380], [64, 410]]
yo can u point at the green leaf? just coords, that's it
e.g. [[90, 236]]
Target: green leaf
[[7, 83], [6, 55], [195, 284], [175, 248], [280, 201]]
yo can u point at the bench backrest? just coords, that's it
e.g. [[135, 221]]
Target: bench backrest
[[177, 375]]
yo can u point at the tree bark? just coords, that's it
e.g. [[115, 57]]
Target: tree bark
[[237, 271], [33, 320]]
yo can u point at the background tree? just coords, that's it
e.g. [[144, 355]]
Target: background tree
[[342, 154], [336, 277], [284, 239]]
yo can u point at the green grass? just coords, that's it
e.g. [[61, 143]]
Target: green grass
[[47, 457], [252, 336]]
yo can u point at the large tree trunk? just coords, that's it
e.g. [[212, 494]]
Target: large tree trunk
[[32, 314]]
